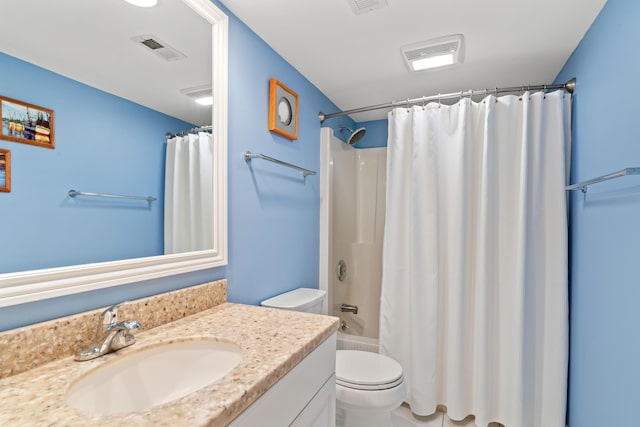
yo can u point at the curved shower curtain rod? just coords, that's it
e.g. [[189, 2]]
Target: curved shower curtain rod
[[170, 135], [570, 86]]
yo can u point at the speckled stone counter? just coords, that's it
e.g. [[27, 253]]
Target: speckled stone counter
[[31, 346], [273, 342]]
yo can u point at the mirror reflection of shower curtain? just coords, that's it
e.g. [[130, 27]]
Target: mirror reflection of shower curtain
[[188, 203], [474, 291]]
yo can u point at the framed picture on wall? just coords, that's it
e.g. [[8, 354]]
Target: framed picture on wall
[[5, 170], [26, 123], [283, 110]]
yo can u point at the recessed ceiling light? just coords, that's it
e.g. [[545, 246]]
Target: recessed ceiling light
[[205, 100], [200, 94], [432, 62], [143, 3], [435, 53]]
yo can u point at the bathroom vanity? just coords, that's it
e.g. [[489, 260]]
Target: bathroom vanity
[[285, 375], [305, 397]]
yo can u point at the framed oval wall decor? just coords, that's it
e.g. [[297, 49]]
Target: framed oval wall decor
[[283, 110]]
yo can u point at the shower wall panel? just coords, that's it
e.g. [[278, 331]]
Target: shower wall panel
[[357, 206]]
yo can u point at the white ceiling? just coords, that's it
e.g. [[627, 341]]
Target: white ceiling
[[356, 60], [353, 59], [89, 41]]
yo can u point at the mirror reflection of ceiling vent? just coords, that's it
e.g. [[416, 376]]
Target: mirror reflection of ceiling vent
[[363, 6], [152, 44], [160, 48]]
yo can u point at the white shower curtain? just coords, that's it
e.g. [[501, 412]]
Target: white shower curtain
[[188, 199], [474, 294]]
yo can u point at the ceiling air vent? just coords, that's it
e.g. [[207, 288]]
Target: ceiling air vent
[[362, 6], [152, 44], [157, 46], [435, 53]]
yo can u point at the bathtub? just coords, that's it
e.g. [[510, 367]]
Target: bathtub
[[355, 342]]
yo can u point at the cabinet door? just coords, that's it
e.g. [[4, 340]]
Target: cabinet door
[[321, 411], [282, 404]]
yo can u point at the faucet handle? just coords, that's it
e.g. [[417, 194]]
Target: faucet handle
[[109, 317]]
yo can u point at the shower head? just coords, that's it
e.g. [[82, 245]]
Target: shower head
[[356, 135]]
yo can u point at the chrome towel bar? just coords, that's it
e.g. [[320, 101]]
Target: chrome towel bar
[[248, 155], [584, 184], [74, 193]]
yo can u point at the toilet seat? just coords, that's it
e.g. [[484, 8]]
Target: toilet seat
[[361, 370], [370, 387]]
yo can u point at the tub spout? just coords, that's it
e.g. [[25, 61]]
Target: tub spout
[[348, 308]]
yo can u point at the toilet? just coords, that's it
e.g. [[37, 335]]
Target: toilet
[[368, 385], [301, 299]]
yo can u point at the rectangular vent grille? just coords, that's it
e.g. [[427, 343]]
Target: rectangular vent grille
[[197, 91], [431, 50], [152, 44], [363, 6], [158, 47]]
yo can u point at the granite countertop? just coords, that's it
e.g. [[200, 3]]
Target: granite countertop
[[273, 342]]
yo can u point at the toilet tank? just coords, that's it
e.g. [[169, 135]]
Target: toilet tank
[[301, 299]]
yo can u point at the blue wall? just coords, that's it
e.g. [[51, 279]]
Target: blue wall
[[605, 230], [273, 213], [376, 136], [104, 144]]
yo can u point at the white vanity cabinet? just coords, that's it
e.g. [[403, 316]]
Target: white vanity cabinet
[[305, 397]]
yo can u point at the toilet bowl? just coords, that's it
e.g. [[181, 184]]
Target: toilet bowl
[[368, 385]]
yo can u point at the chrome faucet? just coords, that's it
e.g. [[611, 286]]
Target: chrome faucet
[[349, 308], [111, 336]]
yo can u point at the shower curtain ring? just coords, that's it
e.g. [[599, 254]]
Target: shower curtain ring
[[408, 109], [439, 101]]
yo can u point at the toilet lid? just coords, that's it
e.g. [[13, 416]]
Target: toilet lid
[[367, 371]]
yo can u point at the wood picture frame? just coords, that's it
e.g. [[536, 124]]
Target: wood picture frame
[[5, 171], [26, 123], [283, 110]]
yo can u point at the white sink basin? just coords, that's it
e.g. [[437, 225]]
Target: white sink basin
[[152, 376]]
